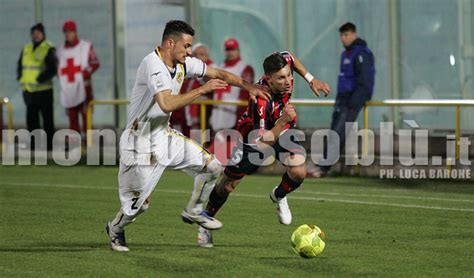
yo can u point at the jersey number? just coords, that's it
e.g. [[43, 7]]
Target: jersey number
[[237, 156], [135, 200]]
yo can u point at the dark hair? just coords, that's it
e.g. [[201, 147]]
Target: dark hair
[[38, 26], [274, 63], [177, 28], [348, 27]]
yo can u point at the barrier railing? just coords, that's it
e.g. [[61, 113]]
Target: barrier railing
[[6, 102], [457, 103], [9, 105], [311, 102], [90, 109]]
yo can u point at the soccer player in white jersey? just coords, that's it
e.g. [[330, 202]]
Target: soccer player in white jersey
[[148, 145]]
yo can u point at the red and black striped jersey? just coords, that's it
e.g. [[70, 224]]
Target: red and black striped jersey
[[263, 114]]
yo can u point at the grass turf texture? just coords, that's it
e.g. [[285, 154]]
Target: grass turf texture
[[52, 221]]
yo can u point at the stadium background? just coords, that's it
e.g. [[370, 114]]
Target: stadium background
[[53, 217], [423, 48]]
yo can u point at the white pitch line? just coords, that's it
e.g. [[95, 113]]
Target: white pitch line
[[257, 196], [73, 186], [384, 204], [340, 201], [297, 192], [47, 248], [383, 196]]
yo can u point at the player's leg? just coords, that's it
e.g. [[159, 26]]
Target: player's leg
[[230, 178], [136, 183], [201, 165], [291, 180], [121, 219], [218, 196], [115, 228], [293, 158], [226, 183], [204, 182]]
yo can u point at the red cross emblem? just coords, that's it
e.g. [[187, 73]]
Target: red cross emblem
[[70, 70]]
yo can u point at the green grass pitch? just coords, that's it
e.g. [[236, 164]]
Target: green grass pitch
[[53, 218]]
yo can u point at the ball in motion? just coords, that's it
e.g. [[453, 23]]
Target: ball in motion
[[307, 241]]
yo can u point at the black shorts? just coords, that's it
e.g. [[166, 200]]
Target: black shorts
[[249, 158]]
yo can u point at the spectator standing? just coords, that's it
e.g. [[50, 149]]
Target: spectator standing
[[36, 68]]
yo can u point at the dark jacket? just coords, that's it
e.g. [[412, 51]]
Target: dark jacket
[[357, 74]]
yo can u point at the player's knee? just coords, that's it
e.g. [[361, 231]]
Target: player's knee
[[146, 205], [128, 215], [230, 186], [214, 167], [297, 173]]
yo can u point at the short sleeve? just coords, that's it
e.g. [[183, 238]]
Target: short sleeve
[[195, 67], [157, 79]]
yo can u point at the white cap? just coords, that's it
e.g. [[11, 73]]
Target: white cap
[[196, 46]]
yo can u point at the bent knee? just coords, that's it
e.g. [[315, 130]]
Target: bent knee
[[297, 173], [214, 167], [146, 204], [231, 185]]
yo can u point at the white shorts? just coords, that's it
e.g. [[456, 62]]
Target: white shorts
[[172, 150]]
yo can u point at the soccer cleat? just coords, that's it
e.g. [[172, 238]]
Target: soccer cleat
[[205, 238], [283, 210], [202, 219], [117, 240]]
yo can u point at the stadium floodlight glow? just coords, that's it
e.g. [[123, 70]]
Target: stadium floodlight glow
[[5, 100]]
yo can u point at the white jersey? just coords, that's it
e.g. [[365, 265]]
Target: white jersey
[[149, 146], [145, 117]]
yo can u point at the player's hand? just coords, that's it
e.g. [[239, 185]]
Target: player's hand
[[214, 84], [289, 113], [318, 85], [258, 91]]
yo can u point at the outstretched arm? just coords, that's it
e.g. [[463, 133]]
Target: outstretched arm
[[233, 80], [314, 84], [169, 103]]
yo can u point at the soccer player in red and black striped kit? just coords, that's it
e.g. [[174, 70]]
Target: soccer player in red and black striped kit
[[264, 129]]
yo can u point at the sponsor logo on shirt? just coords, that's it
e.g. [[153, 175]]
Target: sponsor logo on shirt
[[179, 77]]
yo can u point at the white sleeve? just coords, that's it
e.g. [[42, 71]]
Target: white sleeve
[[157, 79], [195, 67]]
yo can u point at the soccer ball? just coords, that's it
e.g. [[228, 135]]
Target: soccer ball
[[307, 241]]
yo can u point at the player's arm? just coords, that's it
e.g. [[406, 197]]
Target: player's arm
[[233, 80], [314, 84], [169, 103], [270, 136]]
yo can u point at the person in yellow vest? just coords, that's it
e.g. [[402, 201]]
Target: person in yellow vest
[[36, 68]]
